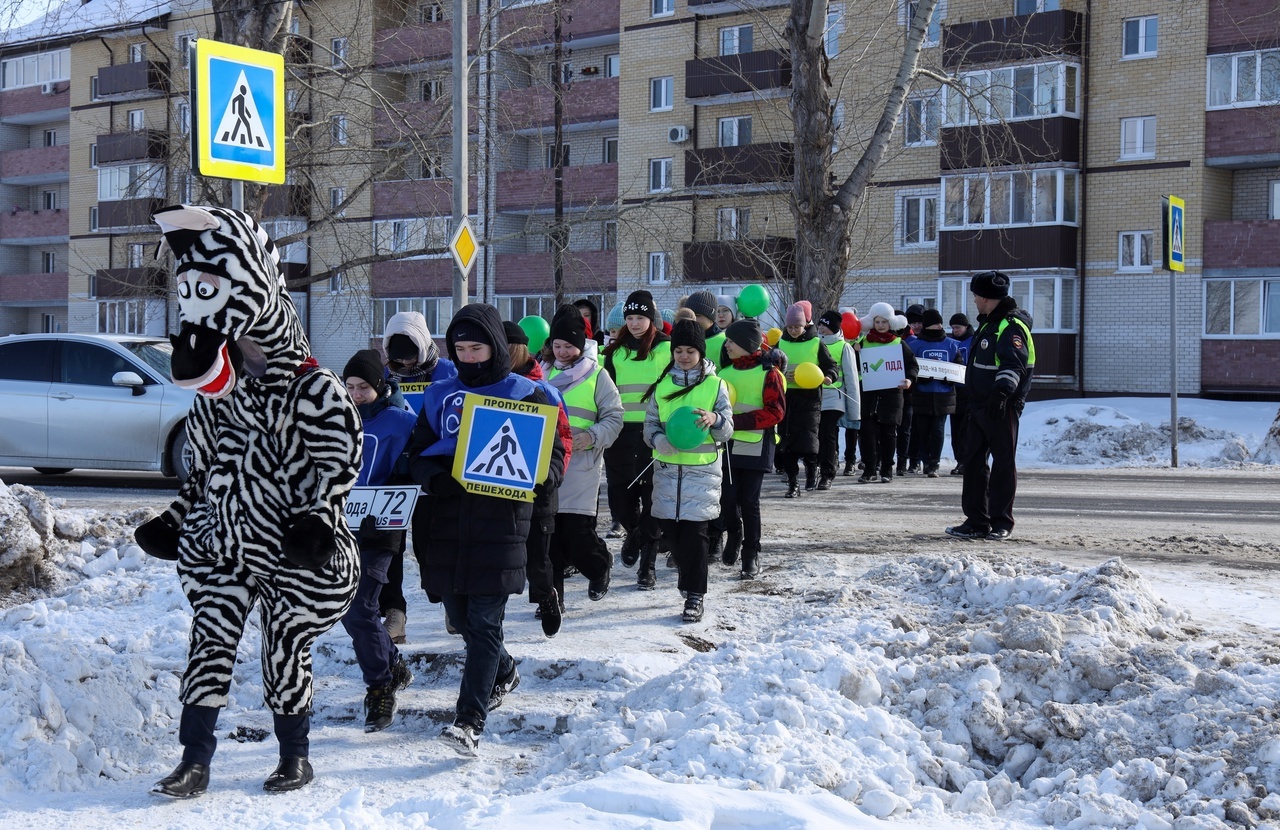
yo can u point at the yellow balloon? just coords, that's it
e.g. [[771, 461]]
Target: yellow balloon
[[809, 376], [772, 336], [733, 393]]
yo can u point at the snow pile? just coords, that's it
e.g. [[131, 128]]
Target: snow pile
[[1069, 434]]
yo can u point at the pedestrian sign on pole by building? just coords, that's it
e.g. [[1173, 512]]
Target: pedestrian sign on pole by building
[[464, 246], [1175, 211], [237, 112], [504, 446]]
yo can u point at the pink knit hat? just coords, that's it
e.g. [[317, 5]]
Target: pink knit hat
[[799, 313]]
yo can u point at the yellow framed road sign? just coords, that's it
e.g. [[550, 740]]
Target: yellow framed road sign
[[504, 446], [1174, 227], [237, 112]]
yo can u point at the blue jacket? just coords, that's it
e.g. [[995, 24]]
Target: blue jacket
[[386, 435], [407, 393], [929, 347]]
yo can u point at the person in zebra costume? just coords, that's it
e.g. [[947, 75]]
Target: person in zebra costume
[[277, 446]]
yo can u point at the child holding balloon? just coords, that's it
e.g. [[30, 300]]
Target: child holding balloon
[[799, 430], [688, 414]]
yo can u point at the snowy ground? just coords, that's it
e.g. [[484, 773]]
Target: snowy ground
[[876, 670]]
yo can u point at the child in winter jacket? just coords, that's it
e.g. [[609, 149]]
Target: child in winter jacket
[[882, 408], [799, 430], [686, 482], [841, 402], [935, 398]]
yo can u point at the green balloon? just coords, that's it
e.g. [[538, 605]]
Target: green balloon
[[753, 301], [683, 431], [537, 330]]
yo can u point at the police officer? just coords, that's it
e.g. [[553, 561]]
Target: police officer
[[1001, 360]]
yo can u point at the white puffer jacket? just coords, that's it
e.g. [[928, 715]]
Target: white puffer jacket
[[683, 491]]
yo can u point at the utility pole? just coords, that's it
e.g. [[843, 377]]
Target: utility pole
[[460, 130], [559, 233]]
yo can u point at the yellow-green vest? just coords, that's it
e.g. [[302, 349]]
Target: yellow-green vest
[[837, 354], [748, 386], [803, 352], [634, 377], [580, 399], [1031, 344], [703, 396], [715, 347]]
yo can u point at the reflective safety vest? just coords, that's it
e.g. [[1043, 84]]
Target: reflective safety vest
[[702, 397], [580, 399], [748, 385], [1031, 344], [797, 353], [715, 345], [837, 354], [634, 377]]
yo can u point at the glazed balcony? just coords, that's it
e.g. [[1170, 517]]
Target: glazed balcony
[[128, 213], [584, 186], [1012, 143], [19, 226], [747, 164], [533, 107], [110, 283], [426, 277], [761, 71], [35, 165], [32, 105], [142, 145], [287, 200], [1013, 39], [584, 272], [416, 197], [133, 81], [33, 289], [1249, 243], [1242, 138], [1004, 249], [747, 260]]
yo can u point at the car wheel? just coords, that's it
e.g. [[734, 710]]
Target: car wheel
[[181, 456], [52, 471]]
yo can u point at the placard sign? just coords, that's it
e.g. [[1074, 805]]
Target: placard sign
[[940, 370], [504, 446], [882, 366], [391, 507]]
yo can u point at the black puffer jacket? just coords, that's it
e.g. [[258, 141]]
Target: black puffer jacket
[[884, 406], [798, 432]]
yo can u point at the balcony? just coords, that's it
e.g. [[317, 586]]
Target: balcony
[[1007, 249], [35, 165], [1250, 243], [712, 7], [132, 81], [585, 186], [142, 145], [296, 274], [748, 164], [428, 277], [736, 74], [585, 23], [533, 108], [1242, 138], [411, 119], [409, 47], [32, 105], [113, 283], [1055, 358], [19, 226], [33, 289], [584, 272], [1242, 25], [1012, 143], [1013, 39], [416, 197], [287, 200], [128, 213], [747, 260], [1234, 366]]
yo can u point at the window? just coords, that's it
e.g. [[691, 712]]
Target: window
[[93, 218], [430, 13], [612, 65], [1140, 37], [1242, 308], [50, 138], [48, 262], [338, 129], [48, 200], [551, 156], [137, 52], [1014, 93], [566, 73], [1244, 80], [432, 168], [337, 283], [609, 235], [135, 253], [661, 94], [49, 323], [919, 220], [432, 90], [1273, 200], [182, 45], [137, 120], [1135, 250], [437, 311], [338, 52], [1051, 301], [734, 131], [657, 267], [933, 32], [93, 155], [399, 236], [337, 195], [610, 150], [539, 305], [126, 316], [735, 40], [921, 118], [1138, 137], [659, 175], [131, 181], [835, 27], [1033, 6], [182, 115], [183, 184], [1010, 199], [733, 223], [30, 70], [93, 87], [662, 8]]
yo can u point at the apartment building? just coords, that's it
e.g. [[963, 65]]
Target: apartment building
[[1071, 120]]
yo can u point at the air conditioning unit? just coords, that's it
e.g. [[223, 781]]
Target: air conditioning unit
[[49, 87], [678, 135]]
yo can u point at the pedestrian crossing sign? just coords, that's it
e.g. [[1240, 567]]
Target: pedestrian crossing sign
[[237, 112], [504, 446]]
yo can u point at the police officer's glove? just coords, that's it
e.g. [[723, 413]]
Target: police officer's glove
[[444, 485], [997, 406]]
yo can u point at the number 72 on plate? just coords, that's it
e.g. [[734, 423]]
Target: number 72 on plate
[[391, 507]]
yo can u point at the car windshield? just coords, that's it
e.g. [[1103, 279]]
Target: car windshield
[[156, 354]]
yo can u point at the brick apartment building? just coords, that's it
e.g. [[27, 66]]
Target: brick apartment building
[[677, 162]]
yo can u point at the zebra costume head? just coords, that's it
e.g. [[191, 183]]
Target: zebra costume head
[[236, 314]]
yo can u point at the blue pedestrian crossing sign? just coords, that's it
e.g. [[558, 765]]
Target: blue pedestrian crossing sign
[[504, 446], [1175, 214], [237, 112]]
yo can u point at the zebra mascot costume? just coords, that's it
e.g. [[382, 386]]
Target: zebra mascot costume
[[276, 443]]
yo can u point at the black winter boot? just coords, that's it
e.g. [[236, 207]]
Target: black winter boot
[[750, 564], [188, 780], [294, 770], [646, 575], [716, 549], [731, 547], [631, 547], [793, 489], [289, 774], [810, 477]]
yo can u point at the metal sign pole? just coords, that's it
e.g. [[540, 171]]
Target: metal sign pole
[[1173, 368], [460, 129]]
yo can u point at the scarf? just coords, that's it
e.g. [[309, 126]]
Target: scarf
[[878, 337], [572, 374]]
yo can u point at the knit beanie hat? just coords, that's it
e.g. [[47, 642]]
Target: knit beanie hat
[[571, 328], [471, 331], [832, 320], [931, 317], [958, 319], [702, 302], [915, 313], [728, 303], [641, 302], [799, 313], [747, 334], [515, 334], [668, 316], [991, 285], [615, 319], [366, 364], [689, 333], [685, 313]]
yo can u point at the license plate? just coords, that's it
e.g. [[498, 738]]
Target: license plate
[[391, 507]]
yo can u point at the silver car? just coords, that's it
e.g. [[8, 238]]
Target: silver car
[[102, 402]]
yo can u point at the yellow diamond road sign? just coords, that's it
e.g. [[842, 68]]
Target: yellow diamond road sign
[[464, 246]]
